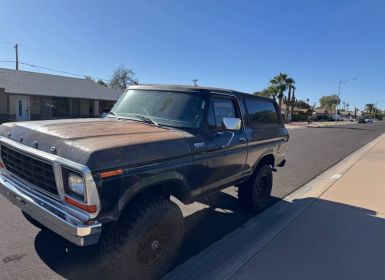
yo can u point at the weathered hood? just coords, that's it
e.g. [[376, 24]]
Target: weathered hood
[[101, 143]]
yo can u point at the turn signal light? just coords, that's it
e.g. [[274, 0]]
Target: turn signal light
[[111, 173], [2, 165], [88, 208]]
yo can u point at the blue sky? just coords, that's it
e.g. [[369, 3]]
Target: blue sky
[[234, 44]]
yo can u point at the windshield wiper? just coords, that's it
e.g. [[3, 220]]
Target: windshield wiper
[[113, 114], [146, 119]]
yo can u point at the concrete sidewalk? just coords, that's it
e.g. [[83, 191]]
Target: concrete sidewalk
[[332, 228], [296, 125]]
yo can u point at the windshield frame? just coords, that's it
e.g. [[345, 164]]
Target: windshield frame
[[205, 96]]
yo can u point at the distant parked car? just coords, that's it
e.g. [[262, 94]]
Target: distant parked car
[[365, 120], [361, 120]]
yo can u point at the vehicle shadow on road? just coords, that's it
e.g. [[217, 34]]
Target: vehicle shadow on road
[[202, 228], [66, 259]]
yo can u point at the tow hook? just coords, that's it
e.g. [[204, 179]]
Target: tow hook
[[274, 169]]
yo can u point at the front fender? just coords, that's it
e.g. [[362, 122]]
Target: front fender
[[151, 182]]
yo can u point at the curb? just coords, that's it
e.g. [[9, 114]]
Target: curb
[[225, 257]]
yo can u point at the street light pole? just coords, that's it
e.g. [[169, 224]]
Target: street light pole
[[339, 93]]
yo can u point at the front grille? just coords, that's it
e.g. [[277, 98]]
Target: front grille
[[36, 171]]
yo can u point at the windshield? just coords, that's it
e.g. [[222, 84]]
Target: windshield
[[169, 108]]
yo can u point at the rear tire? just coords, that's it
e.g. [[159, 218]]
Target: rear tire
[[33, 221], [145, 241], [255, 193]]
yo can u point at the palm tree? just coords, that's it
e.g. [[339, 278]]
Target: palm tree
[[289, 84], [269, 92], [370, 108], [293, 102], [279, 82]]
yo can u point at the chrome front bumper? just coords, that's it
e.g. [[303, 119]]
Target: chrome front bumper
[[51, 213]]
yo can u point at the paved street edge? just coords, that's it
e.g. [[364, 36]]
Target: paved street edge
[[264, 227]]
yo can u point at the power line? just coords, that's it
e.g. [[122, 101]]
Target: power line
[[38, 68], [42, 67], [60, 56], [63, 72], [51, 69], [49, 52]]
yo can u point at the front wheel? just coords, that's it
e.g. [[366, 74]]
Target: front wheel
[[255, 193], [145, 241]]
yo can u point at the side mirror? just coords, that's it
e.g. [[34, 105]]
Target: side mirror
[[232, 123]]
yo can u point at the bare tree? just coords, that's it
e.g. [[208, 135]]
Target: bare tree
[[122, 78]]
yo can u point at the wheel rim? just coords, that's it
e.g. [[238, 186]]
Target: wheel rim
[[262, 188], [153, 244]]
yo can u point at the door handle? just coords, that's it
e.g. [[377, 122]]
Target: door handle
[[241, 139]]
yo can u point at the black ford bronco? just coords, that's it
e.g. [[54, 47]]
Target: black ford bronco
[[109, 180]]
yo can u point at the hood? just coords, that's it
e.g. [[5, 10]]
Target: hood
[[101, 143]]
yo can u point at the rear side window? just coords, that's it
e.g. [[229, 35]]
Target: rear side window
[[261, 112]]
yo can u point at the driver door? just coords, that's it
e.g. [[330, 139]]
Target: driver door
[[226, 150]]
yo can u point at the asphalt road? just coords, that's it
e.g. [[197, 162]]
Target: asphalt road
[[28, 253]]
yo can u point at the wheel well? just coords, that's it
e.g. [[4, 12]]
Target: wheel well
[[266, 159], [167, 188]]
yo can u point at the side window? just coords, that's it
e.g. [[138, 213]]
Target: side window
[[261, 112], [220, 108], [211, 118]]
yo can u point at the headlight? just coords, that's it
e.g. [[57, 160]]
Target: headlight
[[76, 184]]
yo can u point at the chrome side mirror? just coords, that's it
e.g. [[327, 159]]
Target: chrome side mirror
[[232, 123]]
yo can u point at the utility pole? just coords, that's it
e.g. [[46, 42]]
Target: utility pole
[[17, 56], [339, 93], [195, 81]]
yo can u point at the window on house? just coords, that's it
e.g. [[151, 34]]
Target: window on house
[[60, 107], [45, 108], [75, 108]]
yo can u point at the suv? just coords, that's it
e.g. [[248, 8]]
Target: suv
[[109, 181]]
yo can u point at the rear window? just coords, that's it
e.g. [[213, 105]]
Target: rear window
[[261, 112]]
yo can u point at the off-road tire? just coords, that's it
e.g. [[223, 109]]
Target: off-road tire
[[145, 241], [255, 193], [33, 221]]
